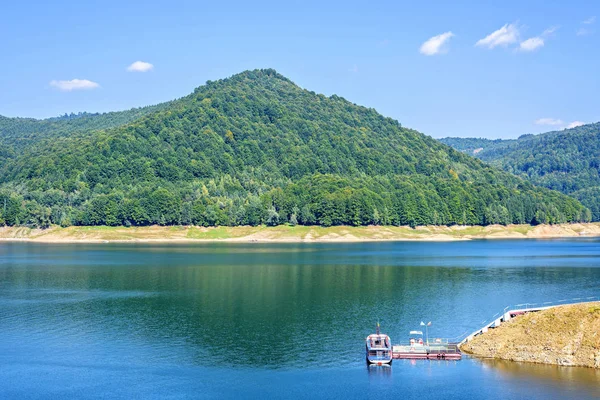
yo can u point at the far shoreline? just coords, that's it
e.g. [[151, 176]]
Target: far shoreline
[[293, 234]]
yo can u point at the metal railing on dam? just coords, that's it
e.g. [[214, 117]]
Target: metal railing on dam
[[509, 311]]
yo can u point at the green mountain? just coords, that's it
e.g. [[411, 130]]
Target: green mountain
[[567, 161], [255, 148]]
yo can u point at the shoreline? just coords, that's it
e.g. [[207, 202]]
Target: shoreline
[[293, 234]]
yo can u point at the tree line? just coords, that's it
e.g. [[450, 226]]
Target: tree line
[[331, 200]]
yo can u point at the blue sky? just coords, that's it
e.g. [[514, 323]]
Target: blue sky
[[491, 69]]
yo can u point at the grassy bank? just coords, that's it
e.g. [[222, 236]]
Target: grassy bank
[[295, 233], [566, 335]]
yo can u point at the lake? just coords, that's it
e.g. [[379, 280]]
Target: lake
[[275, 320]]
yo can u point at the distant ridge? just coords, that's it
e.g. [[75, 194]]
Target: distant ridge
[[19, 132], [567, 160]]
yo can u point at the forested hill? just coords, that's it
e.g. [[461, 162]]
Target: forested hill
[[567, 161], [255, 148], [17, 133]]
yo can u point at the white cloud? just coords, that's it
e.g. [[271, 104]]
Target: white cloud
[[548, 121], [583, 32], [575, 124], [550, 31], [504, 36], [589, 21], [557, 122], [74, 84], [531, 44], [140, 66], [536, 42], [435, 45]]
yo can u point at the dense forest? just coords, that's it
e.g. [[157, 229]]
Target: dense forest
[[567, 161], [254, 149]]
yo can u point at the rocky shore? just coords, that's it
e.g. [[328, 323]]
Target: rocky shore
[[566, 335]]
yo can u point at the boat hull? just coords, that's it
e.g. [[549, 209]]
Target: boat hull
[[379, 361]]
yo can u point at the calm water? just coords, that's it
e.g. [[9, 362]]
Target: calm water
[[281, 321]]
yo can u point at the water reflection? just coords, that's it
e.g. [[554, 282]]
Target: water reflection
[[568, 377], [379, 371]]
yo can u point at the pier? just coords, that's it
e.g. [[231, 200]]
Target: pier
[[436, 349], [433, 351]]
